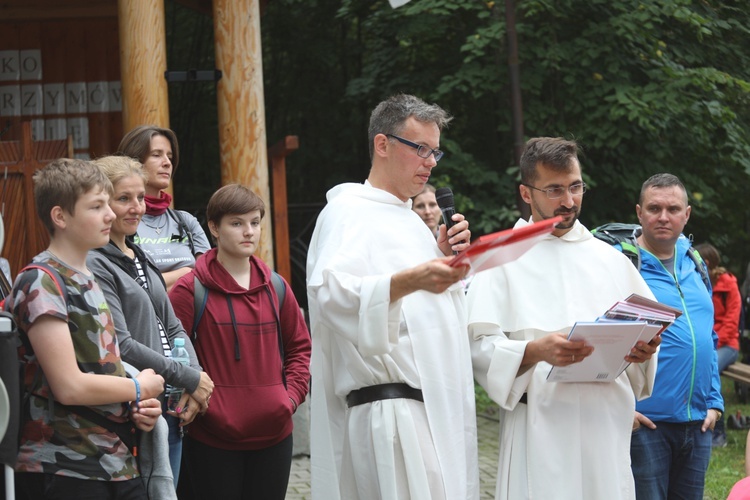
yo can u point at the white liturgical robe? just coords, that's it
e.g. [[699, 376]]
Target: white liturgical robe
[[397, 448], [571, 440]]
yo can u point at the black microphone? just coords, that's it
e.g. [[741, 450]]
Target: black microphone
[[444, 197]]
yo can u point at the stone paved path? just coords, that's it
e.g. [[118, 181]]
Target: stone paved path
[[487, 429]]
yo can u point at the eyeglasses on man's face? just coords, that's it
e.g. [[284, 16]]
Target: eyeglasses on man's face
[[422, 151], [554, 193]]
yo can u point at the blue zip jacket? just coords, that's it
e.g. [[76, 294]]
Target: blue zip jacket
[[687, 376]]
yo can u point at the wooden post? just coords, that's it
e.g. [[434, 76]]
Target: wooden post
[[143, 61], [241, 109], [278, 154]]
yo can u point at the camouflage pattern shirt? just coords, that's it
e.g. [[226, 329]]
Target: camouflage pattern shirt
[[55, 440]]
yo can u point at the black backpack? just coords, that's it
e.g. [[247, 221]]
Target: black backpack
[[625, 235]]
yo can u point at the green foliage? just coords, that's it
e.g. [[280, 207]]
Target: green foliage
[[644, 87], [192, 105], [727, 464]]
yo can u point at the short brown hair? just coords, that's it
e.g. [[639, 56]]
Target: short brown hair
[[61, 183], [233, 199], [137, 143], [662, 181], [389, 116], [553, 152]]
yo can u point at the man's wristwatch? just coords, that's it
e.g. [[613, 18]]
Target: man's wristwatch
[[718, 413]]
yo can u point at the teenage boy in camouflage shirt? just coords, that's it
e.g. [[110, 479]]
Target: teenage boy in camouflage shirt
[[63, 454]]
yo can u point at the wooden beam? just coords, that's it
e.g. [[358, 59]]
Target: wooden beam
[[205, 7], [240, 103], [38, 10], [202, 6], [278, 154], [143, 61]]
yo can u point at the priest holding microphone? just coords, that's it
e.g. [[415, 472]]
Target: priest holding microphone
[[393, 407]]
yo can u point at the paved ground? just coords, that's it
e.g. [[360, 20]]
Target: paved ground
[[299, 479]]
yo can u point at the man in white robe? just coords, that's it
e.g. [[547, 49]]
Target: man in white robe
[[557, 440], [385, 308]]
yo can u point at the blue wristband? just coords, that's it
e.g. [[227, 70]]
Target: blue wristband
[[134, 406]]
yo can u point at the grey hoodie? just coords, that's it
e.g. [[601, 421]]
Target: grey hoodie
[[135, 311]]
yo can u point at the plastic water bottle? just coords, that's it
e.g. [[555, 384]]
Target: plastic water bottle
[[179, 354]]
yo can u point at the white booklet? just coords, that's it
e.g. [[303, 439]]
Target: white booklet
[[612, 340]]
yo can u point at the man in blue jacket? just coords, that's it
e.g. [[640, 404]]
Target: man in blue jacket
[[671, 446]]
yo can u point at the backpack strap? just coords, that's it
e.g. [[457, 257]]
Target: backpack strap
[[280, 289], [126, 431], [54, 274], [61, 288], [183, 228], [700, 266], [630, 249], [200, 298], [278, 285]]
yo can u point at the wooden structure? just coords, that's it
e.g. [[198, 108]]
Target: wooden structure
[[92, 69], [278, 154], [18, 162], [740, 373], [239, 94]]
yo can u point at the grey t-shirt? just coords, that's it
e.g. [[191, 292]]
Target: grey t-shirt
[[159, 236]]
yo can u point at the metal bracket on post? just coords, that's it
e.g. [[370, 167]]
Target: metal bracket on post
[[193, 75]]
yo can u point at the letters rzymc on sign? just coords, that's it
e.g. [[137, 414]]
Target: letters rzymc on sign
[[60, 98], [49, 99]]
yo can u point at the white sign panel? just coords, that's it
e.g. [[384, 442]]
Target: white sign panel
[[75, 97], [55, 129], [10, 100], [98, 95], [31, 64], [79, 129], [9, 67], [37, 129], [115, 96], [54, 98], [31, 100]]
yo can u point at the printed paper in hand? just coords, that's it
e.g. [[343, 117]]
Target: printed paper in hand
[[499, 248]]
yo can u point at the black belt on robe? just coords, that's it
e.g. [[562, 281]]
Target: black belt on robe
[[383, 391]]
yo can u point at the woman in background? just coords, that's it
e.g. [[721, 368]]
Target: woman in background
[[172, 238], [727, 307], [425, 205]]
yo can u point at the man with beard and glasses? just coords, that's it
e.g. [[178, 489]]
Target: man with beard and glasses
[[557, 440]]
